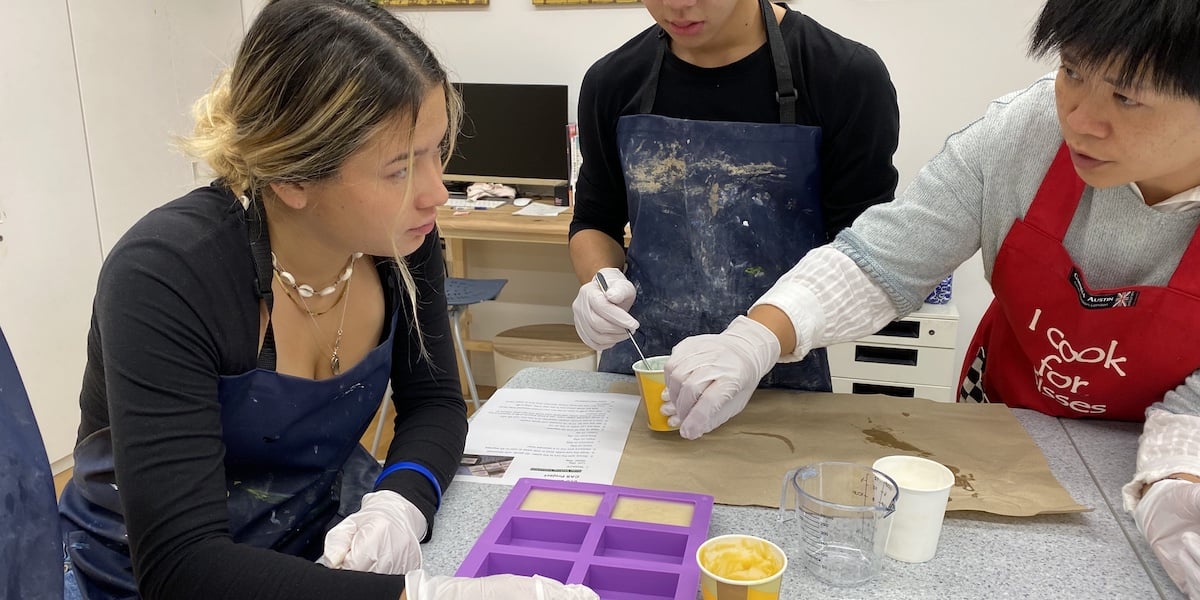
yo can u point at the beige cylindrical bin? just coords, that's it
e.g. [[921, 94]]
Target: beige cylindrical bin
[[548, 345]]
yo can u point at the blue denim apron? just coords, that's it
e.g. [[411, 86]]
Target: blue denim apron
[[293, 464], [30, 542], [718, 211]]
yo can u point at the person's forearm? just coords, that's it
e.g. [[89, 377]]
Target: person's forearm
[[778, 322], [1169, 447], [1181, 476], [592, 250]]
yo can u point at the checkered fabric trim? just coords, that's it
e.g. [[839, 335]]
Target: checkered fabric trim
[[972, 384]]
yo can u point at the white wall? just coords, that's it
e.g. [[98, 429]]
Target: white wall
[[51, 252], [91, 94], [138, 76]]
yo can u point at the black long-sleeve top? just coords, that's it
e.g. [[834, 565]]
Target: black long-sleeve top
[[846, 91], [176, 309]]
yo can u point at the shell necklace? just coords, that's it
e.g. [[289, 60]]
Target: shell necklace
[[304, 291]]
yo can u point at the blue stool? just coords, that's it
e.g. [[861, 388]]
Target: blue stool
[[460, 293], [31, 548]]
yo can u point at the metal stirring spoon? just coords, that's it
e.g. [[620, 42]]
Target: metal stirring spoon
[[604, 287]]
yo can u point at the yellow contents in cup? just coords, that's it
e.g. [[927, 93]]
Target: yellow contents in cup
[[740, 559], [652, 383]]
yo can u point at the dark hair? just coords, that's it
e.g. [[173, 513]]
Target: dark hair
[[1149, 42]]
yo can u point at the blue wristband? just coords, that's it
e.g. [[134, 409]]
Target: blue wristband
[[412, 466]]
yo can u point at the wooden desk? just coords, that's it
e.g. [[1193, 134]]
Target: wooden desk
[[497, 225]]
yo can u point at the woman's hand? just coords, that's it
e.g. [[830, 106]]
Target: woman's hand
[[384, 536], [420, 586], [1169, 517], [710, 377]]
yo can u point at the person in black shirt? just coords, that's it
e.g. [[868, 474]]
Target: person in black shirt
[[243, 337], [732, 137]]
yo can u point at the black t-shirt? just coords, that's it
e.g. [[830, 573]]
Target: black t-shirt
[[845, 90], [176, 309]]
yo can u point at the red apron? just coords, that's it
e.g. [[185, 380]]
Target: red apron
[[1051, 343]]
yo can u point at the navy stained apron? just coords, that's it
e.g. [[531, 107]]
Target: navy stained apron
[[718, 212], [293, 464], [30, 542]]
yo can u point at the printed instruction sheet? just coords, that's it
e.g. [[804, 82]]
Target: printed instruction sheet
[[540, 209], [565, 436]]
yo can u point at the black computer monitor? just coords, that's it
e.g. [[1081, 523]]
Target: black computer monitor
[[512, 133]]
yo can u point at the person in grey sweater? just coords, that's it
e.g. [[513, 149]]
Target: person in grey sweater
[[1083, 193]]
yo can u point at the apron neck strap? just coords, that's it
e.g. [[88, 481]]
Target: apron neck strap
[[1057, 198], [260, 250], [785, 88], [1187, 273], [650, 88]]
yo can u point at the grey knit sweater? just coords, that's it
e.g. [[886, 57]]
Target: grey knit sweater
[[986, 176]]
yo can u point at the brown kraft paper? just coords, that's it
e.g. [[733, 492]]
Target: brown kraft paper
[[998, 468]]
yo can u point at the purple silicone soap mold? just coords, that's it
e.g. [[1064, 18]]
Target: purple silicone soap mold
[[497, 563], [543, 533], [619, 559], [643, 544], [616, 583]]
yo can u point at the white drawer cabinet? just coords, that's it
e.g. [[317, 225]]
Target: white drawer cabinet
[[937, 393], [911, 357]]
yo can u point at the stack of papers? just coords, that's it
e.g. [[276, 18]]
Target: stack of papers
[[538, 209]]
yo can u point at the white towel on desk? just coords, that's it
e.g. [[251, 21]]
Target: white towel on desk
[[490, 190]]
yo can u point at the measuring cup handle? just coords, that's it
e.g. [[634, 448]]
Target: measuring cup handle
[[790, 477], [882, 499]]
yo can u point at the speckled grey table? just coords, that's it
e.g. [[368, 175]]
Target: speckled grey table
[[1086, 555], [1109, 449]]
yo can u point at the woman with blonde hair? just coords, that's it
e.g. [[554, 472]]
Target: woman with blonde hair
[[244, 335]]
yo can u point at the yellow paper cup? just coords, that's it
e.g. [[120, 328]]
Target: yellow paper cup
[[652, 383], [740, 567]]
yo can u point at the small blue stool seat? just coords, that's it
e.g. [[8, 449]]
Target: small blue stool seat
[[461, 293], [464, 292]]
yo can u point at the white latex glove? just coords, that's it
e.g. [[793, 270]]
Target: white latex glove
[[1169, 516], [384, 536], [602, 318], [711, 377], [420, 586]]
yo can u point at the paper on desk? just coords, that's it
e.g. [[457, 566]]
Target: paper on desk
[[565, 436], [998, 468], [540, 209]]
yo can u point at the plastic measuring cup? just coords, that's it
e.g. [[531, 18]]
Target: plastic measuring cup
[[843, 509]]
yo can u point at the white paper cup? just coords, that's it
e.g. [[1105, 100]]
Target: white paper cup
[[924, 490]]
